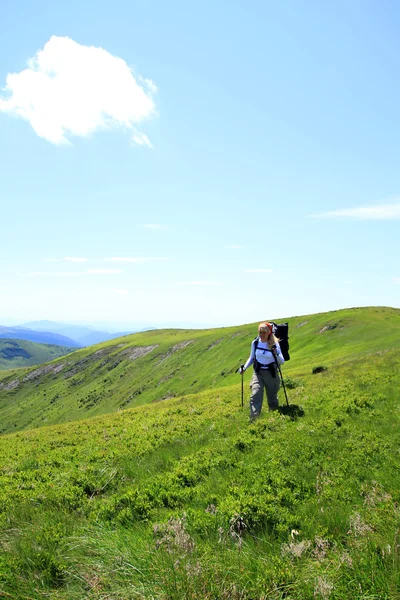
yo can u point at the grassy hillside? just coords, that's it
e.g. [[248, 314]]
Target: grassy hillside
[[152, 366], [22, 353], [185, 499]]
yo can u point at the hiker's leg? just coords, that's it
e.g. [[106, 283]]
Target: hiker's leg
[[257, 392], [272, 385]]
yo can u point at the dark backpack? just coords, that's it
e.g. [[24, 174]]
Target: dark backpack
[[280, 331]]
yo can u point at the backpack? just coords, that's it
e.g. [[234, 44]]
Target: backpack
[[281, 331]]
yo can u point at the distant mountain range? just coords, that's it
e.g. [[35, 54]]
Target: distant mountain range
[[79, 335], [41, 341], [40, 337]]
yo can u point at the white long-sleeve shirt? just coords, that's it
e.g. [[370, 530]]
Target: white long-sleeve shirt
[[263, 354]]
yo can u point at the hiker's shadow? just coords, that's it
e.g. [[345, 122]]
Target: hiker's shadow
[[294, 411]]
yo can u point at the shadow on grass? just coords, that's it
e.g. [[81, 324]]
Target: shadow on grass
[[294, 411]]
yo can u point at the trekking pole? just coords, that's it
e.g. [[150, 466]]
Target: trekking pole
[[241, 367], [283, 381]]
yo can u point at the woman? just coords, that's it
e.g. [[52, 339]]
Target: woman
[[265, 352]]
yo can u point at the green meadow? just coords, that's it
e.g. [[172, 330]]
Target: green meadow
[[129, 470], [16, 353]]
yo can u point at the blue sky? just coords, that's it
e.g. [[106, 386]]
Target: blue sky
[[198, 163]]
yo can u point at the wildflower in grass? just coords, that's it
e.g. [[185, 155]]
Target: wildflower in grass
[[346, 559], [321, 548], [375, 495], [237, 526], [296, 549], [322, 481], [357, 527], [173, 536], [323, 589]]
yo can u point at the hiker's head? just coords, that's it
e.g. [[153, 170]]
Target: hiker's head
[[266, 333], [265, 329]]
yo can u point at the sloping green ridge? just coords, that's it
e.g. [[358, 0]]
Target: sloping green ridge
[[185, 499], [16, 353], [151, 366]]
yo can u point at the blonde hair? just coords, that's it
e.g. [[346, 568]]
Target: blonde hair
[[272, 339]]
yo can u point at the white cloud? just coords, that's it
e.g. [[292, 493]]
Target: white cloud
[[152, 226], [74, 273], [258, 271], [103, 271], [200, 283], [396, 280], [233, 246], [68, 259], [141, 139], [380, 212], [131, 259], [149, 84], [70, 89]]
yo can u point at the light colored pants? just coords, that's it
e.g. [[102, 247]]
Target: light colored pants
[[260, 381]]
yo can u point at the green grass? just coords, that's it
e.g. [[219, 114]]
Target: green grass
[[186, 499], [22, 353], [112, 376]]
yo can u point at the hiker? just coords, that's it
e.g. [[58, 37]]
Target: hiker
[[265, 351]]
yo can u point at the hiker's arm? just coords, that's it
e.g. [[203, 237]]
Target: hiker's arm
[[250, 360], [278, 354]]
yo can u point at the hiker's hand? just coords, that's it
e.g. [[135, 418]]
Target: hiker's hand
[[241, 370]]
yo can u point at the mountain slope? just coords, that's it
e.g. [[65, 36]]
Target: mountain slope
[[21, 353], [155, 365], [186, 499]]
